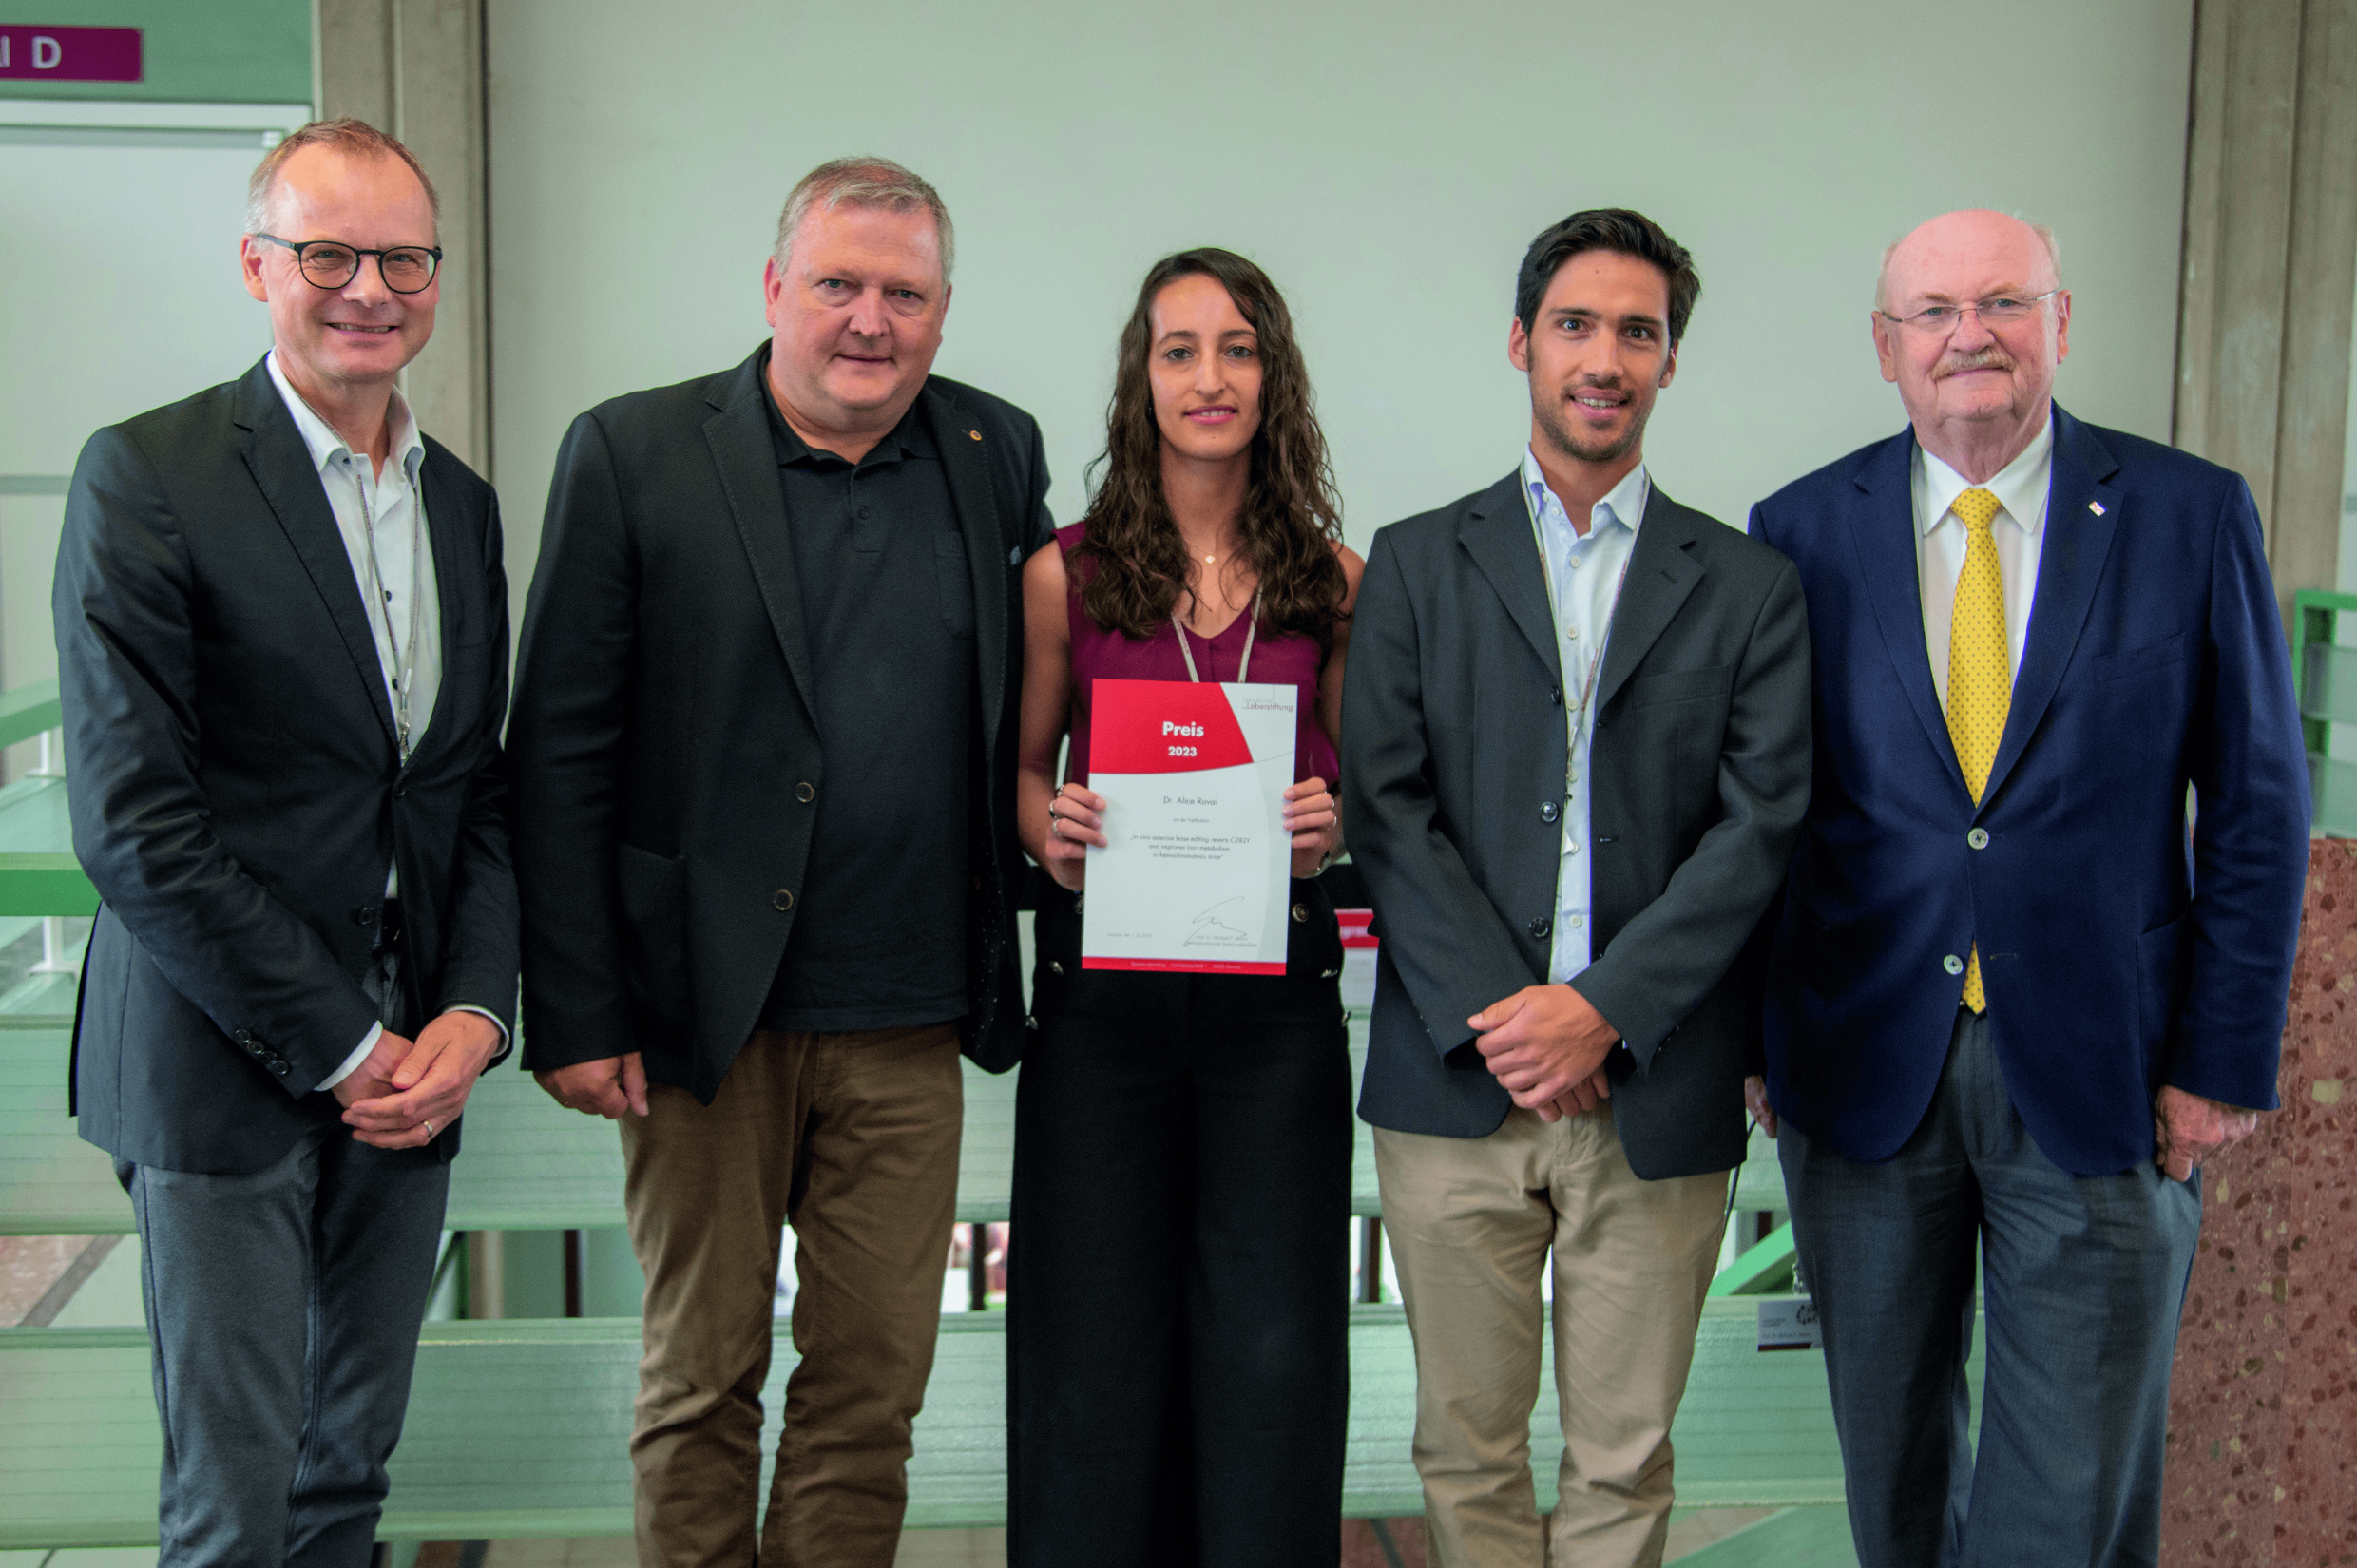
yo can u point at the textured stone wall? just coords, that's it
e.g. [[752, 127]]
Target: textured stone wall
[[2263, 1410]]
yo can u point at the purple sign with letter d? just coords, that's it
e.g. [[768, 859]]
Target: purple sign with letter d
[[68, 54]]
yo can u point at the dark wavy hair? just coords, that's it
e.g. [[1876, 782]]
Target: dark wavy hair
[[1132, 563], [1607, 229]]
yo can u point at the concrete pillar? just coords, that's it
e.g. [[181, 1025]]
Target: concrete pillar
[[2269, 265], [414, 68]]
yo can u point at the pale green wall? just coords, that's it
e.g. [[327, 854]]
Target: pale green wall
[[1387, 163], [193, 51]]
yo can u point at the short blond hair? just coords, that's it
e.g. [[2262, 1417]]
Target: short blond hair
[[353, 139], [864, 183]]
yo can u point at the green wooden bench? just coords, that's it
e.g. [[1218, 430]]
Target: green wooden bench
[[528, 1165], [38, 872], [517, 1430]]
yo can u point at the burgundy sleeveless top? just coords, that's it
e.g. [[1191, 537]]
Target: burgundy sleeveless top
[[1288, 659]]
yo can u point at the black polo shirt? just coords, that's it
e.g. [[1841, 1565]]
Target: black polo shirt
[[888, 610]]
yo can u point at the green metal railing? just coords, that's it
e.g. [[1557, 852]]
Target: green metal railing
[[2324, 674]]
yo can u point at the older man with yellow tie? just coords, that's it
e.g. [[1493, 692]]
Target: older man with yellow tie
[[2014, 999]]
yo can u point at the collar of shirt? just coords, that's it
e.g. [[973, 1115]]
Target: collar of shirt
[[320, 437], [2020, 486], [906, 438], [1624, 505]]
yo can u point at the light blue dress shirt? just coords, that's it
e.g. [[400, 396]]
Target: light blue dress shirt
[[391, 506], [1583, 577]]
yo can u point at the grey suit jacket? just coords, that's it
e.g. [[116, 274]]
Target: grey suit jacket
[[1453, 749]]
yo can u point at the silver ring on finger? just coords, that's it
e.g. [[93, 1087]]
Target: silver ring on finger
[[428, 1126]]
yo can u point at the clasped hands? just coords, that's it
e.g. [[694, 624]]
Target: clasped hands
[[1547, 1045], [406, 1092], [1075, 820], [2187, 1129]]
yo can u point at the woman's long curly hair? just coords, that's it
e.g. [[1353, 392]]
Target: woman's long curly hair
[[1133, 562]]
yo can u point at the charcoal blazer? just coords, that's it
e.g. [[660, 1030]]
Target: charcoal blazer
[[664, 724], [236, 785], [2119, 951], [1454, 742]]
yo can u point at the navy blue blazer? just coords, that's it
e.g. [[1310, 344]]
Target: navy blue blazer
[[2119, 952]]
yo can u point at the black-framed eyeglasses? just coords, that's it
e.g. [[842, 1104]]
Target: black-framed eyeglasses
[[330, 264], [2001, 310]]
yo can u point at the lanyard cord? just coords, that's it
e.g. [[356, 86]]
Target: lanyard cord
[[404, 659], [1596, 661], [1612, 613], [1242, 665]]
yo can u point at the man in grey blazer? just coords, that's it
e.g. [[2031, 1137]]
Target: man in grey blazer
[[1575, 758]]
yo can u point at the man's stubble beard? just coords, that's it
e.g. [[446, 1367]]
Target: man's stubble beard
[[1560, 435]]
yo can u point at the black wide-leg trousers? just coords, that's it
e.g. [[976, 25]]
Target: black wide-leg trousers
[[1178, 1292]]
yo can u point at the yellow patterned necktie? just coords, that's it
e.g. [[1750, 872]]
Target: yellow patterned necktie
[[1980, 671]]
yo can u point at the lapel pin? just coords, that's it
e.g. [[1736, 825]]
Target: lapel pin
[[2096, 506], [976, 435]]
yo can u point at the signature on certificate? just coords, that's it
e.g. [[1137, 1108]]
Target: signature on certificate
[[1211, 930]]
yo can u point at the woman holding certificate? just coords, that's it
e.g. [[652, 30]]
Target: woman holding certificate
[[1177, 1380]]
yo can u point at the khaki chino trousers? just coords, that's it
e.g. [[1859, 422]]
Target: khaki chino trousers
[[852, 1138], [1473, 1223]]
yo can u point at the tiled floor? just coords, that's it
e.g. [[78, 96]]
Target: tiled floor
[[1362, 1547]]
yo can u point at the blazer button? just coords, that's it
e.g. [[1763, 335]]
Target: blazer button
[[1977, 838], [1301, 916], [1541, 926], [1547, 810], [1055, 966], [280, 1068], [782, 899], [1952, 964], [805, 791]]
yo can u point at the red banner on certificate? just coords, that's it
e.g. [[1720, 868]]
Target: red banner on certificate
[[1193, 876]]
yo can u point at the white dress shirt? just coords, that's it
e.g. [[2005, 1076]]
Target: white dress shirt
[[2018, 530], [1583, 577], [391, 506]]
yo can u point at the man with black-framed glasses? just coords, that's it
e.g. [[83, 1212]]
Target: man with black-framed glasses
[[283, 648], [2013, 1002]]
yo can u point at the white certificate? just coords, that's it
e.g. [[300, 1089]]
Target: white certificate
[[1193, 876]]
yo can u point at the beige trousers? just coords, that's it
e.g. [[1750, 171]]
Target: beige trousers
[[853, 1140], [1471, 1223]]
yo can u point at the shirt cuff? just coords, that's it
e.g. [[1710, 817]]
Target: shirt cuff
[[485, 1012], [353, 1061]]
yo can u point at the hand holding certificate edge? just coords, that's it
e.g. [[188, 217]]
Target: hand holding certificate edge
[[1314, 819], [1075, 821]]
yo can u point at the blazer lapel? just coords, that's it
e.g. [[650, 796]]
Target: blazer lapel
[[2082, 513], [1882, 530], [1496, 533], [447, 538], [739, 438], [281, 465], [1660, 575], [964, 461]]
